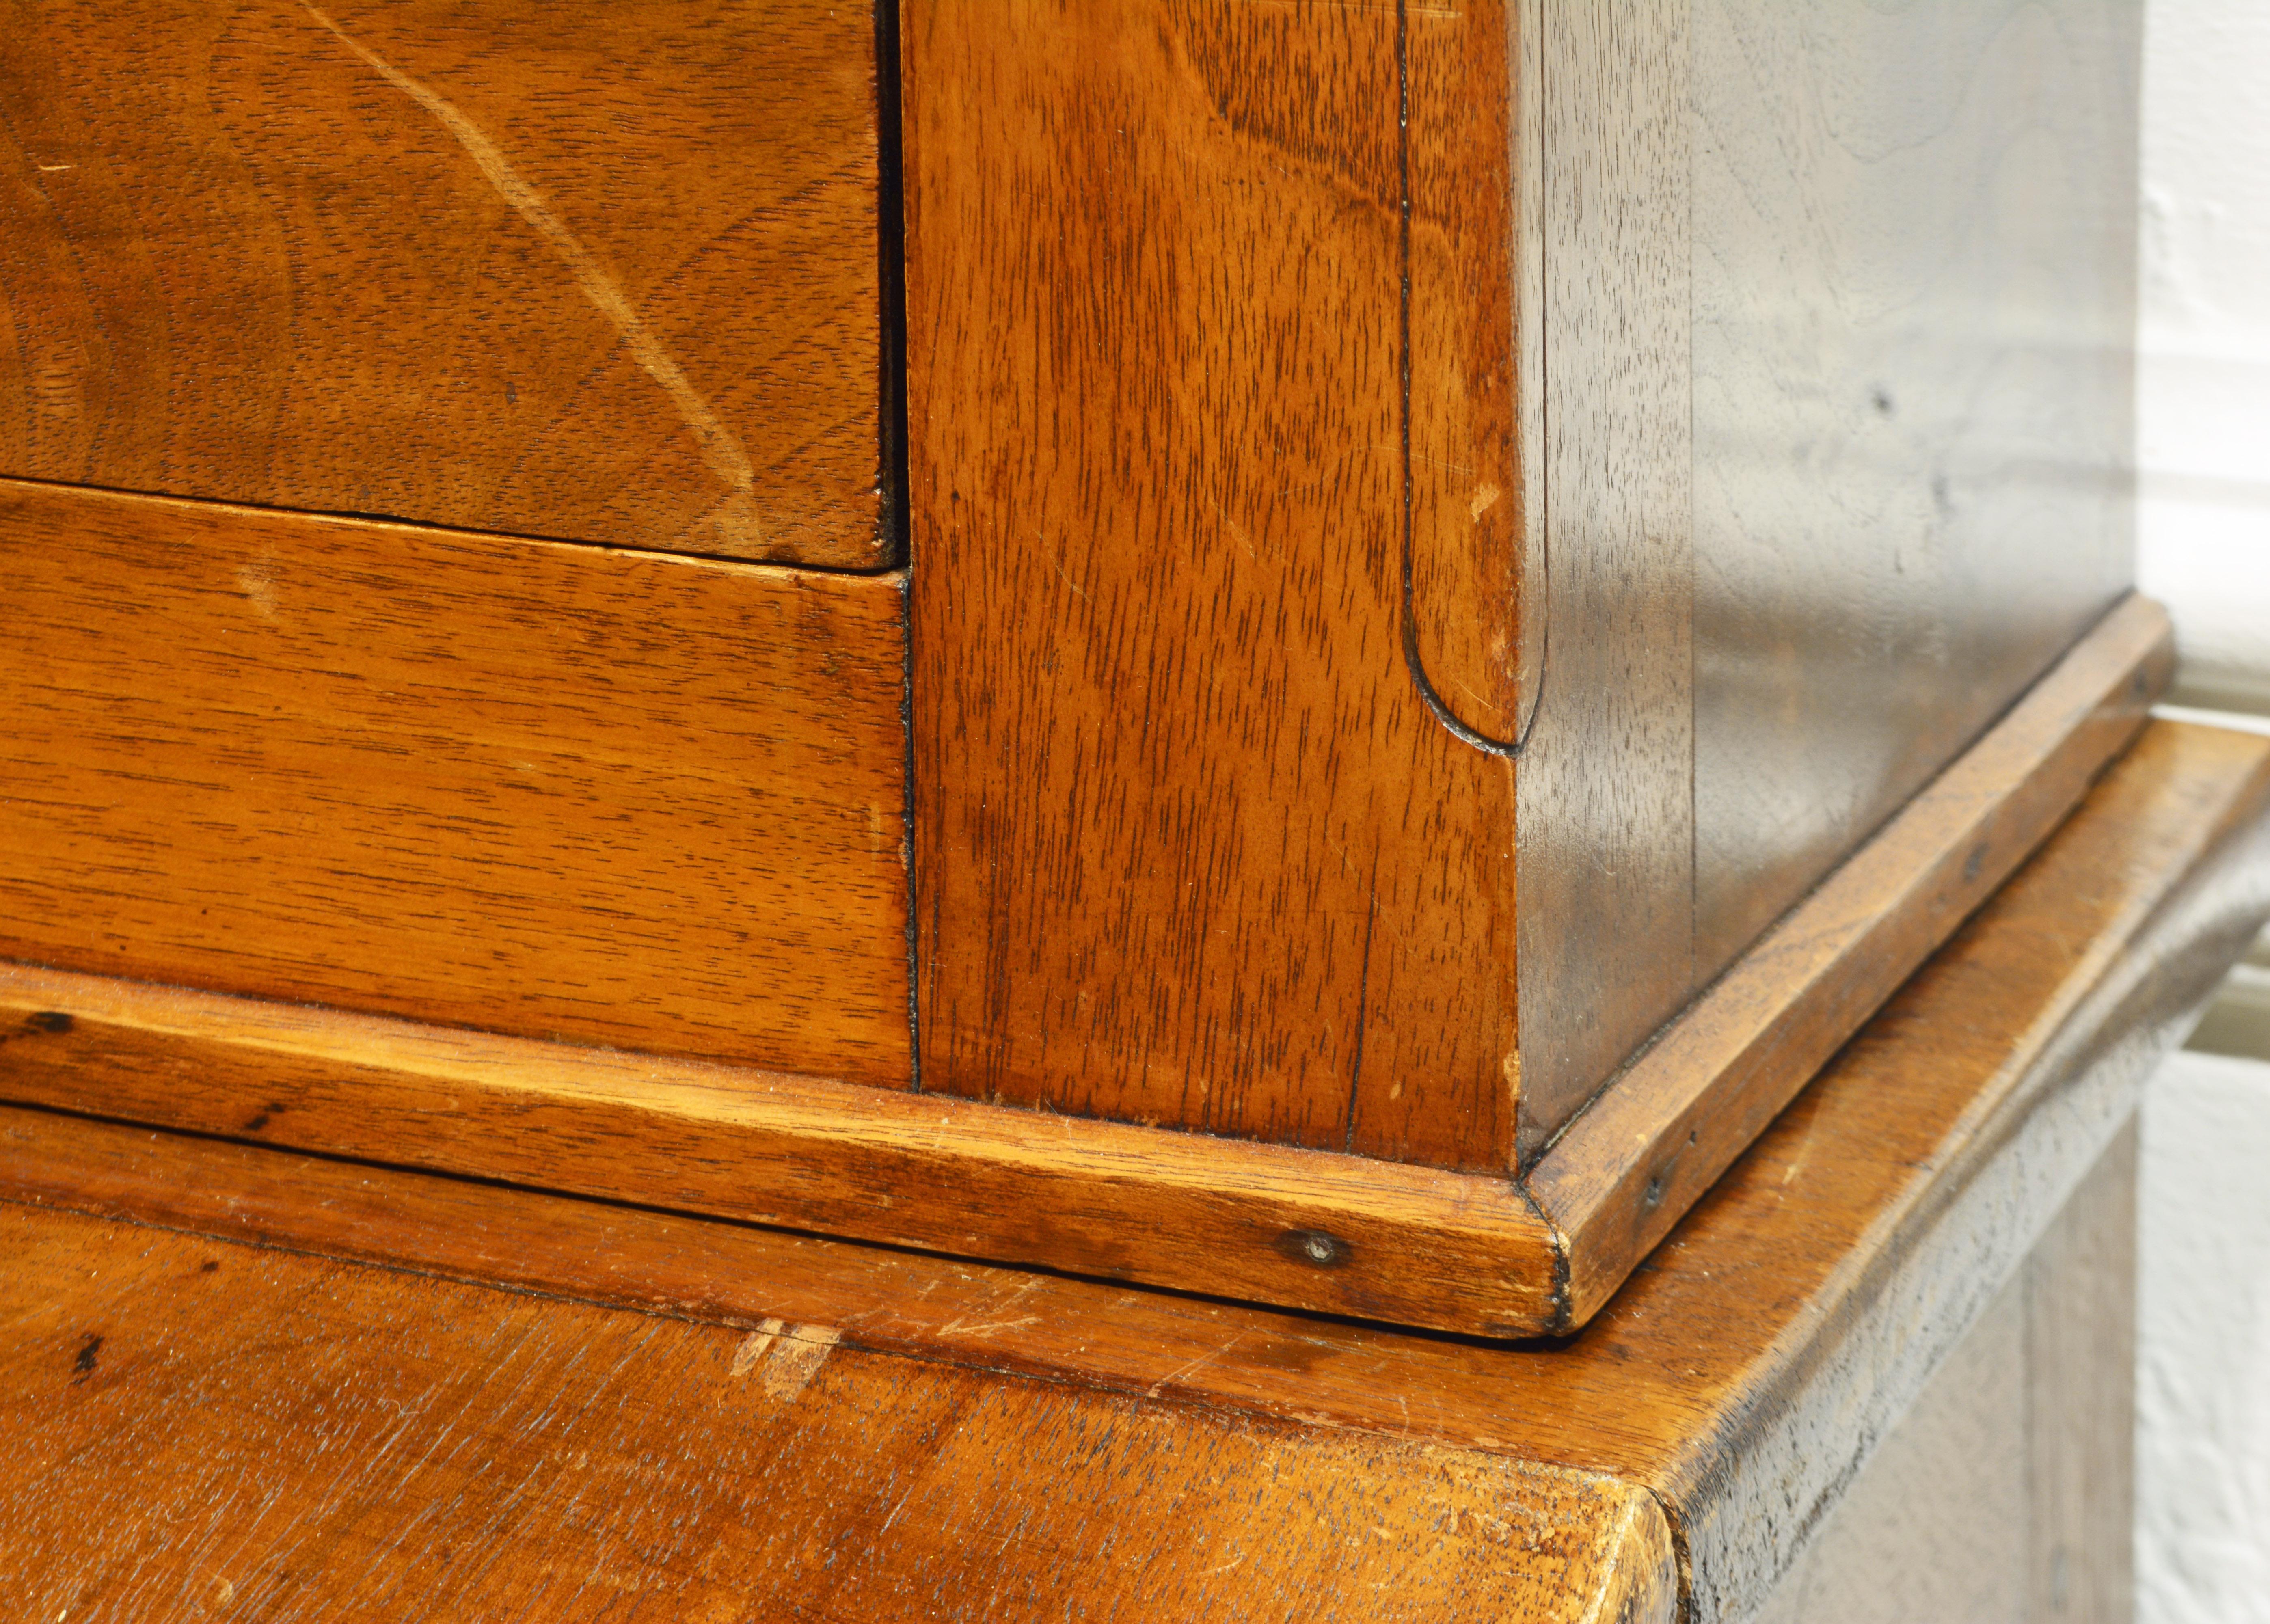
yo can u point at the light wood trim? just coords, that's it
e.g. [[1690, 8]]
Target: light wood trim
[[618, 798], [1661, 1132], [1334, 1232]]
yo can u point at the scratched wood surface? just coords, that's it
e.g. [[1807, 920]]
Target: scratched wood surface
[[194, 1430], [558, 790], [1306, 1229], [603, 273], [1744, 1373], [2006, 1494]]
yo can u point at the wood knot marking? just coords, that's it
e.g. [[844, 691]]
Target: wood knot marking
[[1315, 1246], [49, 1021], [83, 1366], [796, 1354]]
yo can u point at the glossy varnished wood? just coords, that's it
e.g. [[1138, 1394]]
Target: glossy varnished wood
[[1744, 1375], [609, 796], [1914, 299], [1316, 501], [193, 1430], [1607, 775], [1198, 853], [605, 273]]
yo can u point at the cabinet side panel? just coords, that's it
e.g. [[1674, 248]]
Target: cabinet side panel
[[1606, 781], [1191, 849], [1914, 304], [598, 272], [619, 799]]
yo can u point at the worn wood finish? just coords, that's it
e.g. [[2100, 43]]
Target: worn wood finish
[[1615, 1181], [1338, 1234], [1745, 1374], [602, 273], [2079, 1289], [1198, 853], [1467, 520], [198, 1430], [1342, 1234], [613, 797], [2012, 1477]]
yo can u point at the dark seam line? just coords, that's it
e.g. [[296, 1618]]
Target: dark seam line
[[1510, 749]]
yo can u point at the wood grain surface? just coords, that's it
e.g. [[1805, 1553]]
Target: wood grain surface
[[603, 273], [1309, 1229], [1199, 855], [1333, 1232], [191, 1430], [1468, 507], [558, 790], [1360, 355], [1746, 1372], [1913, 308], [1607, 777], [1662, 1132]]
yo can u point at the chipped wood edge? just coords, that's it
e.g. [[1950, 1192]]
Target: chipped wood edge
[[1749, 1493], [1660, 1134], [1304, 1230]]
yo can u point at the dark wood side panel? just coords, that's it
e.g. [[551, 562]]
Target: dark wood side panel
[[1191, 848], [1608, 772], [1914, 305], [1615, 1183], [599, 273], [552, 789]]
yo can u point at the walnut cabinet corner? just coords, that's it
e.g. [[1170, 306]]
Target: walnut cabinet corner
[[1313, 653]]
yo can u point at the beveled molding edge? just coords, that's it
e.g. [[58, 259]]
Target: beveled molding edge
[[1312, 1230], [1622, 1172], [1303, 1229]]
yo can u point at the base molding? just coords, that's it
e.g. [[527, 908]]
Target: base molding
[[1480, 1253]]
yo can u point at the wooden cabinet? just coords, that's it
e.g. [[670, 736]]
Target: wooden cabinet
[[1471, 589]]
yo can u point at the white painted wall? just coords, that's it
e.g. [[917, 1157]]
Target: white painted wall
[[2203, 433]]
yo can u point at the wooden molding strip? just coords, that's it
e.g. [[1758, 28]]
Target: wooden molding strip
[[1337, 1234], [1673, 1121], [1304, 1230]]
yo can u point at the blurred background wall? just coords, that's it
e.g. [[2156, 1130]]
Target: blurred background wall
[[2203, 445]]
